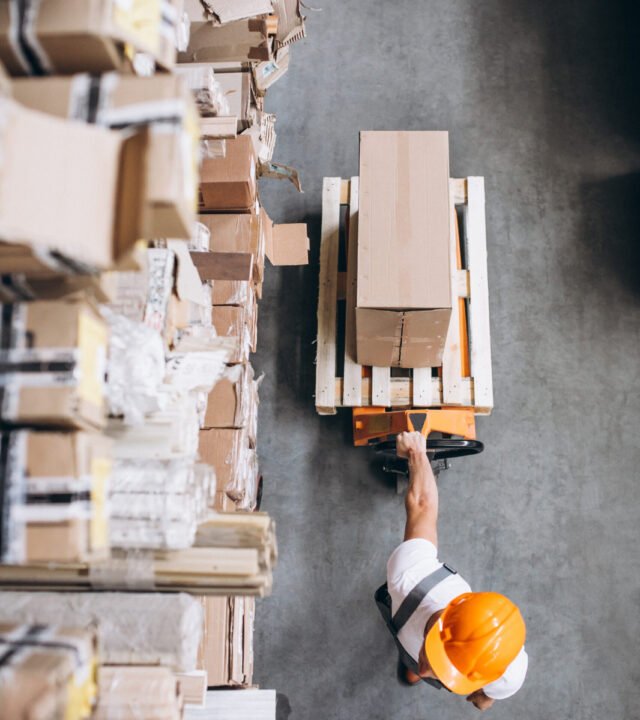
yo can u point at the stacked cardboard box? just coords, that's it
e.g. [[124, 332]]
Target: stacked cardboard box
[[47, 672], [129, 404]]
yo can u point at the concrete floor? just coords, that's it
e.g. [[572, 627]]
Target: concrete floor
[[541, 99]]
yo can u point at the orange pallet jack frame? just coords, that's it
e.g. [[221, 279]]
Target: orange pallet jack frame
[[373, 425]]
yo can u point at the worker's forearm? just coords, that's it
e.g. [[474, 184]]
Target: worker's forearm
[[423, 491]]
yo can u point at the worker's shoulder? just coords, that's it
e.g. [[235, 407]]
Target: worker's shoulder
[[412, 558]]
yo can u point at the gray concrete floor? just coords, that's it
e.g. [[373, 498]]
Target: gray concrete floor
[[540, 98]]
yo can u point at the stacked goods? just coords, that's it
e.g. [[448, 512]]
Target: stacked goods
[[47, 672], [129, 310]]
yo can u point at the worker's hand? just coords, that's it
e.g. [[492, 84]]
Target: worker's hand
[[480, 700], [411, 443]]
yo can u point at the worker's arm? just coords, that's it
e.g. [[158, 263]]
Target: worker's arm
[[422, 497], [480, 700]]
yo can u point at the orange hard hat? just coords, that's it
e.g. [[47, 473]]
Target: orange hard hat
[[474, 641]]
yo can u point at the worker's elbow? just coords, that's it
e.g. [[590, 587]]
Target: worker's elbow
[[418, 503]]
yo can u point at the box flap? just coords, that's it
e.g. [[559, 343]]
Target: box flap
[[280, 172], [188, 283], [290, 21], [228, 10], [288, 244]]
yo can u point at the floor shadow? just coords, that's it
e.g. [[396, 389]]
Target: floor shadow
[[611, 212]]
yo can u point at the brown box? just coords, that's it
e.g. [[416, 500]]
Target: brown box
[[246, 233], [404, 287], [214, 651], [90, 180], [65, 472], [42, 665], [94, 36], [229, 403], [171, 174], [230, 454], [237, 322], [68, 341], [238, 41], [288, 244], [229, 184]]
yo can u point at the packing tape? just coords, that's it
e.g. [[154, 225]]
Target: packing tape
[[40, 60], [58, 484], [133, 570], [16, 10]]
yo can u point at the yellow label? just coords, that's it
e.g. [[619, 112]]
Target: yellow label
[[92, 349], [99, 529], [82, 691], [141, 19]]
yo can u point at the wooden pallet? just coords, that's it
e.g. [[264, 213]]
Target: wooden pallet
[[421, 387]]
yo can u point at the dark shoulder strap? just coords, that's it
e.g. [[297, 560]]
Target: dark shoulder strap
[[417, 595]]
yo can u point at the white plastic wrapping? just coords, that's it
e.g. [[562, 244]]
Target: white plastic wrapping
[[207, 91], [137, 693], [201, 238], [136, 368], [133, 628]]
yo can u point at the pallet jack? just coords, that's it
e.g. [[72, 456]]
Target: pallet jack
[[450, 432]]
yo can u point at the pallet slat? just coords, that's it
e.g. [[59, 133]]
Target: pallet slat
[[479, 328], [352, 388], [381, 386], [327, 300], [423, 387], [451, 359]]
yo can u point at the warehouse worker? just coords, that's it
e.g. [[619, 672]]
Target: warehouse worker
[[470, 643]]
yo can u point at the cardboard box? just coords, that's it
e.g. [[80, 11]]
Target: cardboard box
[[94, 36], [239, 92], [67, 342], [229, 184], [238, 41], [290, 21], [229, 403], [246, 233], [165, 104], [230, 453], [225, 11], [237, 322], [47, 672], [288, 244], [65, 476], [214, 650], [403, 282], [267, 73], [90, 182]]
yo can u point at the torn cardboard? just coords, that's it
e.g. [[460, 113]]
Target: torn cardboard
[[226, 11], [237, 41], [403, 280]]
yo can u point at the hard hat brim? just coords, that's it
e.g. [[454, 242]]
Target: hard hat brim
[[444, 669]]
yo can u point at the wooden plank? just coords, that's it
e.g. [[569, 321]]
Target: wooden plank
[[381, 386], [458, 190], [223, 265], [327, 298], [462, 283], [352, 388], [345, 191], [422, 390], [451, 359], [479, 327], [401, 390]]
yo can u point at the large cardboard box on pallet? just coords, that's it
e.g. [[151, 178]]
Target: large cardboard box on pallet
[[66, 36], [165, 104], [62, 182], [403, 304], [229, 183]]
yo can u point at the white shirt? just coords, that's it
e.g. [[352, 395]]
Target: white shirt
[[410, 563]]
